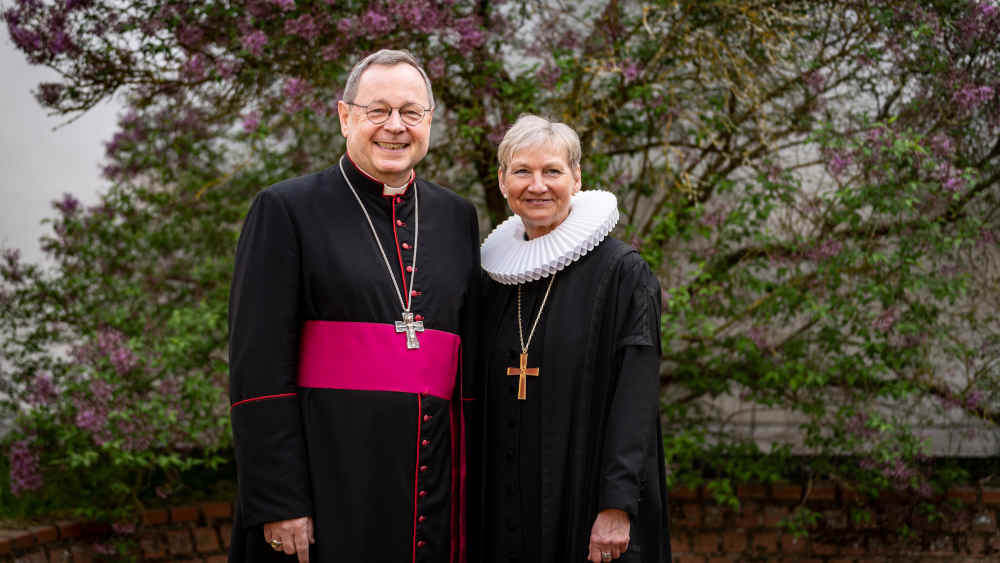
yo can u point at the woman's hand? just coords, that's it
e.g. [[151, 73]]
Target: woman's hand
[[609, 536], [295, 536]]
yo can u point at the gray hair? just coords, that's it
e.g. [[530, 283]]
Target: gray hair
[[532, 131], [384, 57]]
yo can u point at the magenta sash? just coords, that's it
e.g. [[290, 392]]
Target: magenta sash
[[374, 357]]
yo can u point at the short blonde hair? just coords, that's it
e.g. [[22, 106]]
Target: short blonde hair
[[534, 131]]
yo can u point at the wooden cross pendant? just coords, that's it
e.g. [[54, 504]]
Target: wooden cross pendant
[[411, 328], [522, 372]]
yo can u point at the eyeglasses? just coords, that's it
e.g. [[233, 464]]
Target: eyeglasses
[[378, 113]]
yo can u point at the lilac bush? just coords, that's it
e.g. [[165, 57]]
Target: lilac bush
[[816, 185]]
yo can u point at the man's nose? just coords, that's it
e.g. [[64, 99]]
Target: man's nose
[[395, 121]]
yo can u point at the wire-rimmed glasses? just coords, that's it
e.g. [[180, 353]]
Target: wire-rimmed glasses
[[378, 112]]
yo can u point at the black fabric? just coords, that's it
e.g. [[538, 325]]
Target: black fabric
[[597, 402], [347, 458]]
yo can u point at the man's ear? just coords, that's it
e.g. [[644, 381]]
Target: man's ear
[[344, 112]]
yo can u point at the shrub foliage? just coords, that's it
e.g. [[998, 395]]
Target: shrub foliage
[[815, 183]]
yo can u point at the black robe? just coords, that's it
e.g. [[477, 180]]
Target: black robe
[[592, 438], [379, 471]]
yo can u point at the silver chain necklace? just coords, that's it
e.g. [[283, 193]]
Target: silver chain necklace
[[407, 325]]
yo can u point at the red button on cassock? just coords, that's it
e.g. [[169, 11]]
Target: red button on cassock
[[398, 199], [399, 223], [418, 317], [422, 518], [423, 493], [405, 245], [427, 417], [415, 293], [421, 543], [425, 443], [423, 468], [409, 268]]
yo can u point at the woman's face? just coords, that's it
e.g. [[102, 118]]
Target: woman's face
[[538, 184]]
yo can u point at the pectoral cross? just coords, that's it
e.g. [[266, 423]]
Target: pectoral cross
[[411, 328], [522, 372]]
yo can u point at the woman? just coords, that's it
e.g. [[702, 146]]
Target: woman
[[572, 453]]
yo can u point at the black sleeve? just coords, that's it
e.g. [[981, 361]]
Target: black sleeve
[[264, 327], [634, 412], [471, 390]]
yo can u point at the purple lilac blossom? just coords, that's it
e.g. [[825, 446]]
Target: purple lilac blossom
[[942, 145], [839, 161], [194, 68], [254, 42], [49, 93], [68, 205], [227, 68], [251, 121], [815, 81], [630, 70], [190, 36], [43, 390], [826, 249], [376, 23], [970, 97], [285, 5], [329, 52], [759, 338], [123, 528], [295, 88], [25, 474], [548, 75], [436, 67], [59, 42], [953, 184], [305, 26], [470, 32]]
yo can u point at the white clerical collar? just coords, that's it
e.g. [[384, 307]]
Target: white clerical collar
[[510, 259], [387, 190]]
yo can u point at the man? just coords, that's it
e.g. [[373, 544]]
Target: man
[[351, 311]]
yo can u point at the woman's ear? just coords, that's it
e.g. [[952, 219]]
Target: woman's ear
[[503, 190]]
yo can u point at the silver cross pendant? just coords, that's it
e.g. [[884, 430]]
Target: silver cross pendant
[[411, 328]]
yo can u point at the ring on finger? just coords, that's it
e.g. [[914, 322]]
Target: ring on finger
[[275, 544], [605, 556]]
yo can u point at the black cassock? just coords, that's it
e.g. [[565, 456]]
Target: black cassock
[[587, 437], [332, 416]]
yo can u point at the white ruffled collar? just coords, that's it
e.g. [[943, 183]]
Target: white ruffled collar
[[509, 259]]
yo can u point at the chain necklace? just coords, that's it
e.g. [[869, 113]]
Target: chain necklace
[[522, 371], [407, 325]]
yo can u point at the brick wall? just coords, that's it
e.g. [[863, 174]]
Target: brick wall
[[701, 531], [705, 532], [185, 533]]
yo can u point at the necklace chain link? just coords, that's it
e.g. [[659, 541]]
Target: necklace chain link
[[520, 331], [378, 242]]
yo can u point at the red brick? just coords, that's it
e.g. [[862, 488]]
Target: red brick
[[835, 519], [153, 546], [91, 529], [823, 491], [155, 517], [689, 559], [991, 496], [724, 559], [206, 540], [715, 516], [751, 491], [179, 542], [216, 559], [749, 516], [823, 548], [924, 523], [37, 556], [6, 543], [226, 531], [23, 539], [683, 493], [792, 544], [690, 516], [975, 545], [766, 542], [773, 515], [842, 561], [60, 555], [968, 495], [984, 521], [854, 547], [734, 542], [217, 510], [705, 543], [82, 554], [940, 545], [45, 534], [679, 544], [787, 492], [68, 529], [184, 514]]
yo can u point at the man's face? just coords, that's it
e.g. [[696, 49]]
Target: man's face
[[388, 151]]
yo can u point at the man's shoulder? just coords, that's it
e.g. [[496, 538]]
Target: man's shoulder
[[442, 195], [301, 189]]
